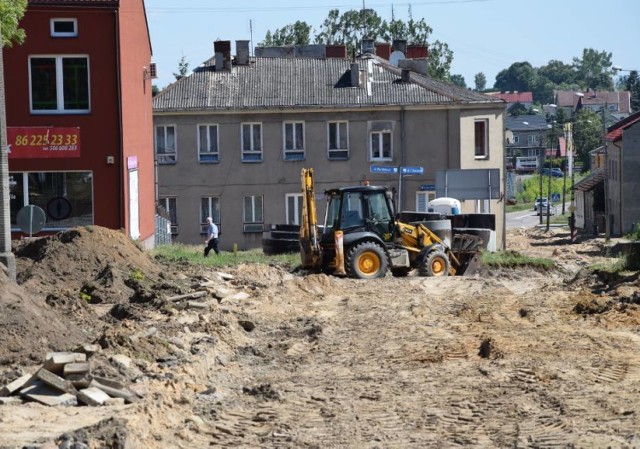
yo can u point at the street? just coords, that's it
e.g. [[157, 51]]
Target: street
[[528, 218]]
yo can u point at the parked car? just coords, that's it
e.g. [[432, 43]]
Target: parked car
[[542, 205], [555, 172]]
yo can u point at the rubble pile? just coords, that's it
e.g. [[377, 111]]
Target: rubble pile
[[65, 379]]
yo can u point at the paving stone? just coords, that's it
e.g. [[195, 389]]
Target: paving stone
[[76, 368], [128, 396], [16, 385], [44, 394], [79, 380], [55, 381], [55, 361], [92, 396], [89, 349]]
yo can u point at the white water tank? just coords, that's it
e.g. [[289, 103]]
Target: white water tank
[[444, 205]]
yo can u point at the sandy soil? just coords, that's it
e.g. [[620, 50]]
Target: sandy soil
[[519, 358]]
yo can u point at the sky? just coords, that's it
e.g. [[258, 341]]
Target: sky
[[485, 35]]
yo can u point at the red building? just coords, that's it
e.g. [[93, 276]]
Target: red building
[[79, 121]]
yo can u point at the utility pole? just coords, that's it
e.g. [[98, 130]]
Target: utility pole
[[607, 224], [6, 256], [542, 154], [553, 132]]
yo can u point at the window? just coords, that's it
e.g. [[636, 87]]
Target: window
[[166, 144], [208, 144], [294, 208], [532, 139], [422, 200], [170, 204], [381, 146], [209, 207], [253, 213], [516, 138], [64, 28], [481, 143], [252, 142], [338, 140], [65, 197], [293, 141], [59, 84]]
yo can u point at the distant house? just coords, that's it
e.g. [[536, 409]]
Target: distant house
[[232, 137], [618, 103], [616, 165], [511, 98], [80, 130], [526, 136]]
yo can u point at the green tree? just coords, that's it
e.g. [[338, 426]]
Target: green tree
[[587, 133], [183, 68], [558, 72], [593, 70], [458, 80], [10, 15], [480, 81], [633, 86], [440, 59], [517, 109], [297, 34], [520, 76]]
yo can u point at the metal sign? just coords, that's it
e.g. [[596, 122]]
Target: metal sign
[[469, 184], [555, 197], [31, 219], [30, 142], [383, 169], [427, 187], [412, 170]]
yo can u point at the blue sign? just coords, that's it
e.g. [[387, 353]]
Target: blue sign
[[383, 169], [412, 170], [425, 187], [555, 197]]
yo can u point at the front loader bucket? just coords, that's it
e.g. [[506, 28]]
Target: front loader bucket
[[471, 264]]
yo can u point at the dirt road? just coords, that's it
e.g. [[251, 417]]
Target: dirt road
[[517, 359]]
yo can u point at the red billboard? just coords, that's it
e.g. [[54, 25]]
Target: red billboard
[[31, 142]]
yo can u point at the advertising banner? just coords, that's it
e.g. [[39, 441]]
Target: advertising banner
[[31, 142]]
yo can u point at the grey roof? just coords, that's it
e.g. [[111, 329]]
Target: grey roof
[[534, 122], [306, 83]]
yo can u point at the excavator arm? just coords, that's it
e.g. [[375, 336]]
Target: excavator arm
[[310, 250]]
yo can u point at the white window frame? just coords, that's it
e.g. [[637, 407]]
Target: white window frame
[[423, 197], [485, 143], [378, 154], [213, 211], [211, 154], [251, 154], [60, 86], [297, 203], [516, 138], [166, 157], [165, 201], [334, 152], [532, 139], [293, 152], [55, 33], [253, 223]]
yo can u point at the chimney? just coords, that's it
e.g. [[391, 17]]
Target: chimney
[[355, 75], [242, 52], [336, 51], [417, 51], [368, 46], [406, 75], [399, 45], [383, 50], [222, 50]]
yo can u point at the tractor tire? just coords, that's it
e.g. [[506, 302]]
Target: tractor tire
[[436, 263], [366, 260]]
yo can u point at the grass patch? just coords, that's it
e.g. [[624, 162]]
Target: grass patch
[[518, 207], [513, 259], [193, 254], [622, 264]]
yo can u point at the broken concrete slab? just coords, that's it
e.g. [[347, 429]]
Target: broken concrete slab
[[47, 395], [128, 396], [56, 382], [55, 361], [194, 295], [89, 349], [114, 401], [93, 396], [109, 382], [76, 368], [225, 276], [79, 380], [16, 385]]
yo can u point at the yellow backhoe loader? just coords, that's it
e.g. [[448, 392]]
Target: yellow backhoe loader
[[362, 238]]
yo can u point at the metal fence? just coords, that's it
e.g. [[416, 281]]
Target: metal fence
[[163, 226]]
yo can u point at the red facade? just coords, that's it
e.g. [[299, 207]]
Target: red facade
[[79, 118]]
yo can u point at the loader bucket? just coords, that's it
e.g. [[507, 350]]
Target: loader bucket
[[471, 264]]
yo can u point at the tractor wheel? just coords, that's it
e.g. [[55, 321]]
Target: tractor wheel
[[366, 260], [436, 263]]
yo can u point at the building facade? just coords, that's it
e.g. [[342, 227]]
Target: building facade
[[232, 137], [79, 117]]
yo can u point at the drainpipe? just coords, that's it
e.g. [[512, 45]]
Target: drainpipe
[[121, 189], [403, 153], [620, 190]]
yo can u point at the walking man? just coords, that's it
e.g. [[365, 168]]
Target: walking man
[[212, 237]]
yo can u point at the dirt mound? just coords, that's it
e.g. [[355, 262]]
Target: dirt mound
[[29, 327]]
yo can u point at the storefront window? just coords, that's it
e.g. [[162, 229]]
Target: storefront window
[[65, 197]]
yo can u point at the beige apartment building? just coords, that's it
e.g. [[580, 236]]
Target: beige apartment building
[[232, 137]]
